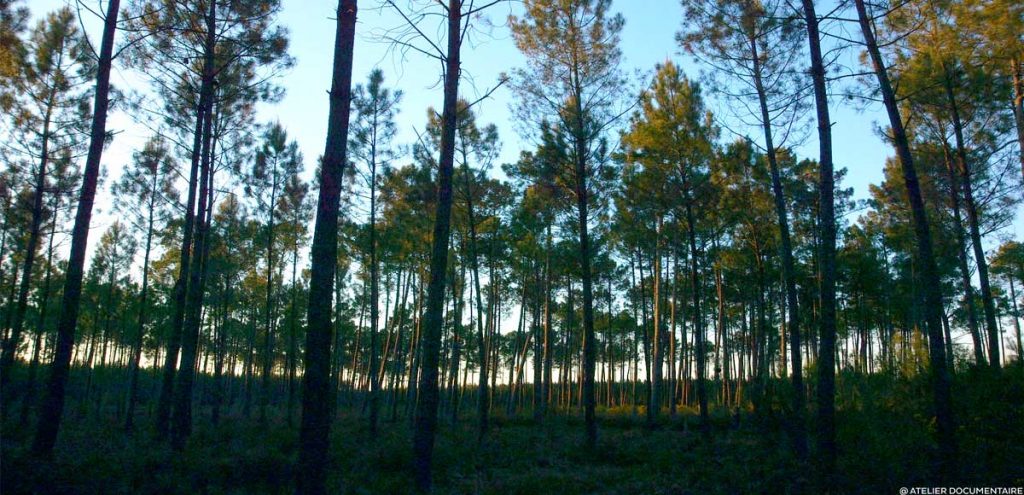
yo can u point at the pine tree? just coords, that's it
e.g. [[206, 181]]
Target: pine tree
[[144, 194], [581, 99], [946, 424], [50, 118], [370, 142]]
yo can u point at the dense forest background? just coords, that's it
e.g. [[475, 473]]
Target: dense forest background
[[669, 285]]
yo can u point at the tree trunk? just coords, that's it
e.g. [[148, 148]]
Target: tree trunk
[[698, 327], [827, 252], [484, 403], [1017, 71], [181, 415], [268, 338], [786, 252], [931, 285], [456, 346], [654, 406], [218, 365], [374, 297], [133, 374], [30, 387], [1016, 317], [961, 251], [426, 415], [316, 380], [589, 345], [10, 347], [292, 333], [988, 302], [549, 351], [163, 409], [52, 407]]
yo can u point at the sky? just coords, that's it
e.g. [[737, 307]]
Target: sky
[[648, 38]]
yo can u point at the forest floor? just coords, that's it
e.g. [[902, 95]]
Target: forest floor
[[885, 443]]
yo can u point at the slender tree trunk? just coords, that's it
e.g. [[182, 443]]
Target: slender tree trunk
[[961, 250], [412, 400], [724, 335], [3, 253], [483, 399], [293, 332], [931, 285], [654, 406], [249, 365], [426, 415], [181, 415], [52, 407], [589, 345], [218, 365], [827, 253], [163, 409], [317, 393], [10, 347], [484, 403], [1016, 317], [456, 345], [374, 296], [1017, 72], [648, 362], [33, 370], [700, 351], [399, 324], [966, 183], [268, 338], [786, 250], [549, 350], [133, 374]]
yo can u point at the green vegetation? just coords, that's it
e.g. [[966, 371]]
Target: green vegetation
[[889, 439]]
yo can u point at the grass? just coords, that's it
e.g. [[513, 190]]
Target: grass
[[885, 437]]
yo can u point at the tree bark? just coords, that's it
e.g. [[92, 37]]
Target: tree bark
[[164, 402], [426, 415], [317, 393], [1017, 71], [483, 403], [52, 407], [1016, 317], [181, 414], [698, 326], [961, 251], [33, 370], [786, 246], [827, 320], [133, 373], [548, 349], [654, 404], [987, 300], [374, 294], [268, 338], [930, 282], [582, 210], [10, 346]]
